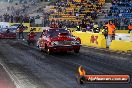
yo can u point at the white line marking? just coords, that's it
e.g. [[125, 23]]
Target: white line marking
[[12, 76]]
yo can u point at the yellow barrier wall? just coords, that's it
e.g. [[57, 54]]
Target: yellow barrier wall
[[119, 45], [117, 31], [72, 29], [131, 34], [25, 24], [121, 31], [91, 39], [36, 29]]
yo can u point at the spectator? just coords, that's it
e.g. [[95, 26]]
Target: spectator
[[105, 32], [96, 28], [111, 30], [130, 28], [78, 27], [21, 28], [11, 18]]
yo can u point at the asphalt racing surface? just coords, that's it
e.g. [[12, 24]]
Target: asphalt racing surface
[[31, 68], [5, 80]]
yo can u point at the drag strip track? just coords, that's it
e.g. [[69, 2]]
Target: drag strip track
[[35, 69]]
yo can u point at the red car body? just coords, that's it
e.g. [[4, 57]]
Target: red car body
[[58, 40], [7, 35]]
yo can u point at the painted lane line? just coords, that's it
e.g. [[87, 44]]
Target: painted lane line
[[12, 76]]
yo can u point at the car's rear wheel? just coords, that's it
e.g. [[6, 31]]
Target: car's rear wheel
[[28, 42], [41, 50], [49, 51], [76, 50]]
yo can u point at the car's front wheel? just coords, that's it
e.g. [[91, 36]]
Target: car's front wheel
[[48, 51], [76, 50]]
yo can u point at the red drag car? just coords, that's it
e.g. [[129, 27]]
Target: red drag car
[[7, 34], [58, 40]]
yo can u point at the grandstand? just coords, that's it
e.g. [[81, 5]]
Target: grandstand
[[121, 13], [76, 11], [70, 13]]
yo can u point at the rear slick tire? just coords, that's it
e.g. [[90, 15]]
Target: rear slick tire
[[48, 51], [76, 51]]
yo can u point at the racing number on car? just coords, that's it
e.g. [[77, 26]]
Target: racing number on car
[[94, 39]]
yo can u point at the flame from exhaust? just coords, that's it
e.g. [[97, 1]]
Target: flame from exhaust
[[81, 71]]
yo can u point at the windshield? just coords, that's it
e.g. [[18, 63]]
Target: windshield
[[55, 32]]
